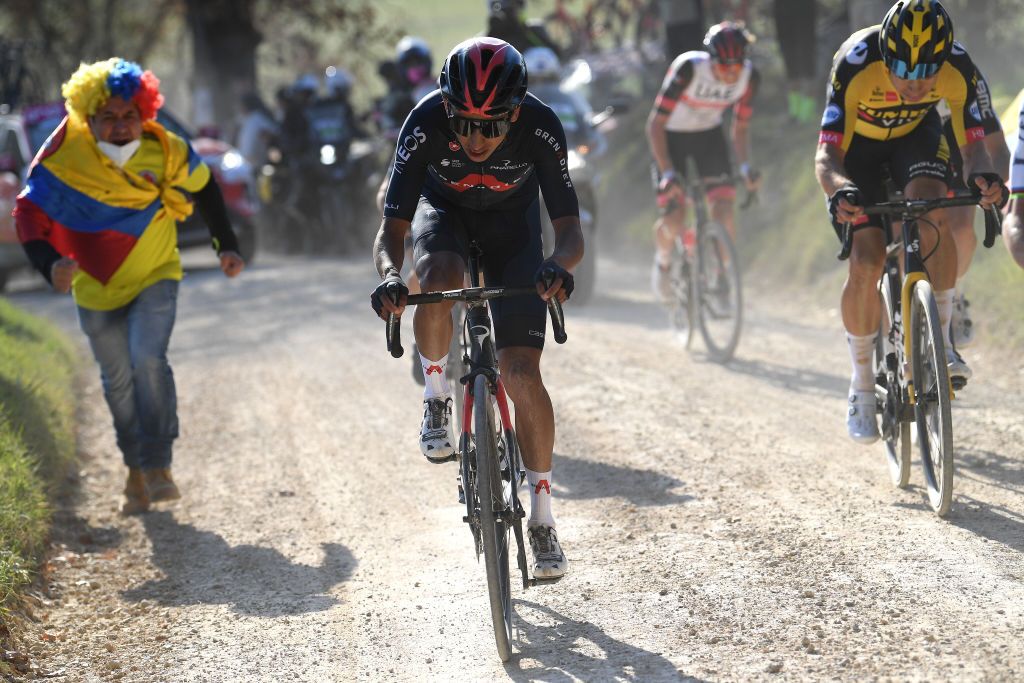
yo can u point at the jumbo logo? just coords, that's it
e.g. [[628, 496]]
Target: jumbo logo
[[892, 118]]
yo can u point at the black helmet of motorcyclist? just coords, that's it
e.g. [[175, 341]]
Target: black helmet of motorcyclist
[[415, 63], [483, 77]]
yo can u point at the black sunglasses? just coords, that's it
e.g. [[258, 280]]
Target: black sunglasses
[[489, 128]]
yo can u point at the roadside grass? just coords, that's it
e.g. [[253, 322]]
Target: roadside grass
[[37, 442]]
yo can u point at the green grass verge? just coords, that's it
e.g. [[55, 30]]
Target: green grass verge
[[36, 439]]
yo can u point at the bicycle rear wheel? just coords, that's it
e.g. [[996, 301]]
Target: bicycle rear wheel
[[681, 311], [889, 391], [720, 297], [494, 505], [931, 380]]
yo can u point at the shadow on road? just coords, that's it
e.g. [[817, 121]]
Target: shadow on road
[[581, 479], [553, 648], [200, 567], [791, 378]]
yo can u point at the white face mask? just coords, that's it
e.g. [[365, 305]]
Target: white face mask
[[119, 154]]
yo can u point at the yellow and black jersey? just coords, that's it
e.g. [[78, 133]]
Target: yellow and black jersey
[[862, 100]]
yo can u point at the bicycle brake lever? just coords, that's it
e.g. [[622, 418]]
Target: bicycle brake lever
[[555, 308], [844, 251], [393, 328]]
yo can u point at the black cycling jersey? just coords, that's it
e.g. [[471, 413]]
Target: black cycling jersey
[[430, 161]]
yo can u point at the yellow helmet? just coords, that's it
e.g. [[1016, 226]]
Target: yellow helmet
[[916, 38]]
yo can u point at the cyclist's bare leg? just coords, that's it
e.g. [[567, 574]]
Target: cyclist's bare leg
[[535, 417], [723, 212], [666, 228], [432, 325], [961, 220], [859, 304]]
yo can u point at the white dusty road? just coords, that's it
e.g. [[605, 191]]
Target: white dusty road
[[719, 524]]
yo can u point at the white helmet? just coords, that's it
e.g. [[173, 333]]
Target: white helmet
[[338, 81], [542, 63]]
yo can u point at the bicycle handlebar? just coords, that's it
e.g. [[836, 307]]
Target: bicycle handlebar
[[393, 329], [915, 208]]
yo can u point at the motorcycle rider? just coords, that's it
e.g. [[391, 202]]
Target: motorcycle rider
[[505, 21]]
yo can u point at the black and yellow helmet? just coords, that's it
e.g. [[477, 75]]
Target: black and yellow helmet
[[916, 38]]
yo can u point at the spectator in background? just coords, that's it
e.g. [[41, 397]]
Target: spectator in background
[[684, 25], [98, 219], [796, 30], [256, 129], [864, 13]]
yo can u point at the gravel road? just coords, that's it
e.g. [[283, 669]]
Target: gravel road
[[719, 524]]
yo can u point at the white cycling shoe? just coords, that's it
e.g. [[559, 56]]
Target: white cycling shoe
[[958, 369], [548, 559], [436, 438], [861, 417]]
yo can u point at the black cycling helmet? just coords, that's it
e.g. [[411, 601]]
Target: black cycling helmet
[[727, 42], [483, 76], [916, 38]]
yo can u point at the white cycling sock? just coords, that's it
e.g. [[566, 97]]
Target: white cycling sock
[[861, 350], [434, 376], [944, 301], [540, 498]]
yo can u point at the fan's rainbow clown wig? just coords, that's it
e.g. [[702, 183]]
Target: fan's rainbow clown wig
[[92, 85]]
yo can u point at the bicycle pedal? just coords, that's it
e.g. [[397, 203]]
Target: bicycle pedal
[[958, 383]]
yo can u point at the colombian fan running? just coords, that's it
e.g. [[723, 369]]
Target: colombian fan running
[[687, 121], [886, 83], [469, 161]]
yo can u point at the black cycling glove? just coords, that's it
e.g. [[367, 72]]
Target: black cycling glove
[[990, 178], [552, 268], [851, 193], [391, 284]]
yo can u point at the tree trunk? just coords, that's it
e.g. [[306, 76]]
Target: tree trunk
[[224, 41]]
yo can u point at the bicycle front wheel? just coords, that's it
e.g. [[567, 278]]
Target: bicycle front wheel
[[720, 297], [888, 389], [932, 411], [494, 513]]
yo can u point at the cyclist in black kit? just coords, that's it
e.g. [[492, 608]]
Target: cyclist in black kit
[[468, 165]]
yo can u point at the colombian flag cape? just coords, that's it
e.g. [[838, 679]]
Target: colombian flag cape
[[119, 224]]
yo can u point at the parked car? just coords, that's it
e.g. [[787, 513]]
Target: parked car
[[23, 133]]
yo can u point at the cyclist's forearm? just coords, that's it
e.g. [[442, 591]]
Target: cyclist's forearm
[[569, 246], [830, 169], [976, 159], [389, 246], [657, 139], [999, 153], [741, 141]]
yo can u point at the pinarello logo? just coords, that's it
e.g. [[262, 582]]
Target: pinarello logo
[[453, 146]]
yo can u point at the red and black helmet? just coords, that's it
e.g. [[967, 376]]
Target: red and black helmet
[[485, 77], [727, 42]]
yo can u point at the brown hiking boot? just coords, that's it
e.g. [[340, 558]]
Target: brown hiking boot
[[161, 486], [136, 498]]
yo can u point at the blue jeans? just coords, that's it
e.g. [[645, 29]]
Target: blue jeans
[[130, 346]]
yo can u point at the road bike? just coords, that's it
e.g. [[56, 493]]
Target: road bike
[[912, 383], [490, 465], [707, 290]]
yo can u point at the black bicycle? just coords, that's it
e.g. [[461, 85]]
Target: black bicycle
[[705, 275], [488, 454], [912, 383]]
